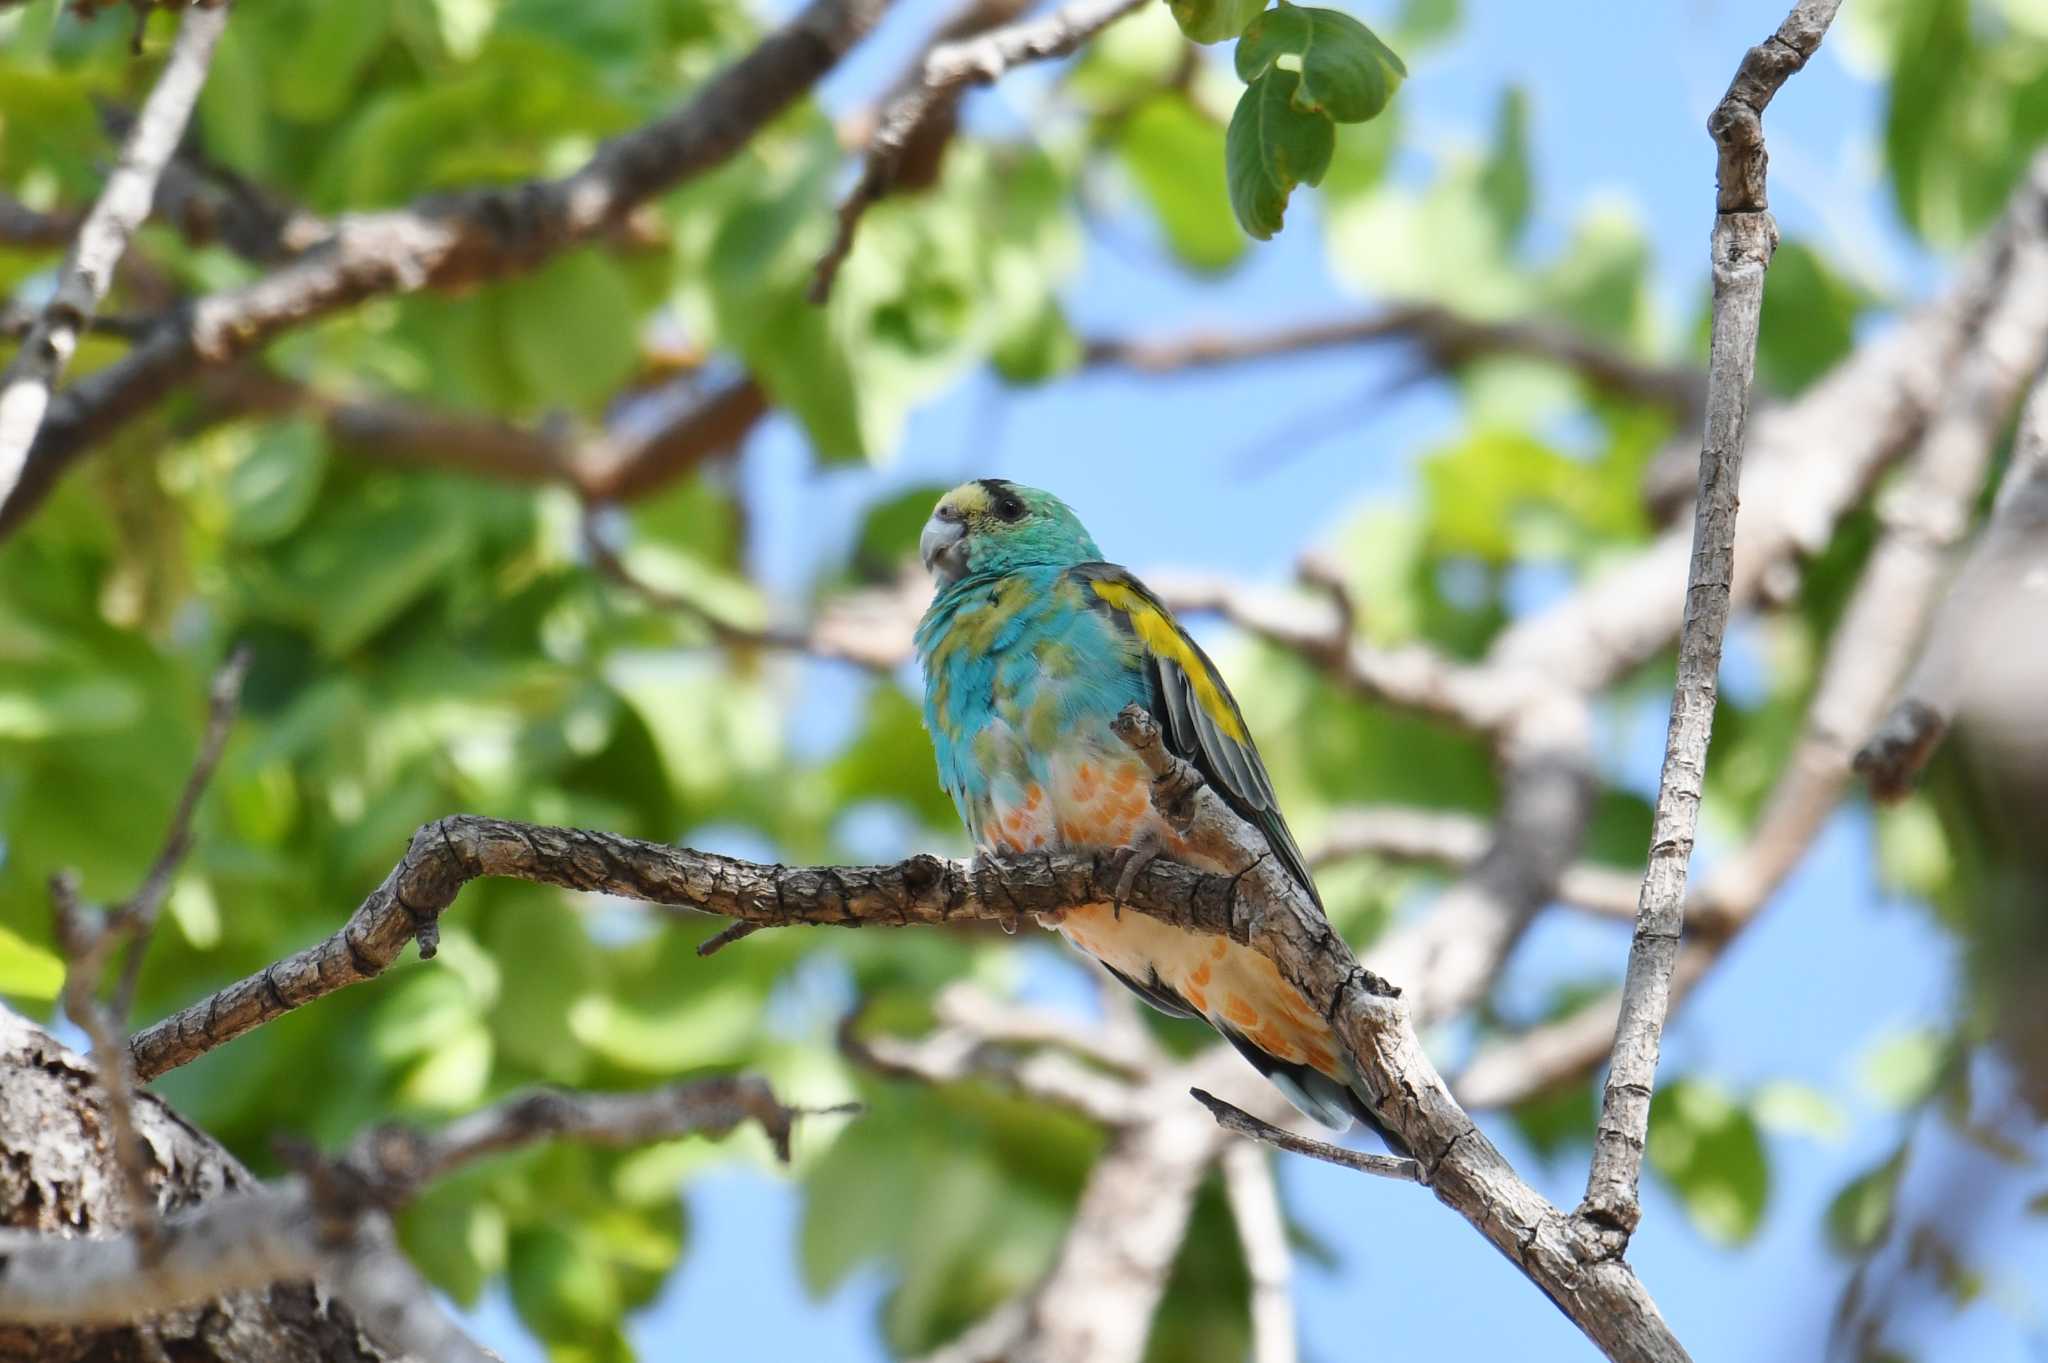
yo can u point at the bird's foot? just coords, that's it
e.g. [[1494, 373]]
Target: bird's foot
[[1131, 863], [983, 865]]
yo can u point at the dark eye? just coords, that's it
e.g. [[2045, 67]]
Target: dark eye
[[1010, 507]]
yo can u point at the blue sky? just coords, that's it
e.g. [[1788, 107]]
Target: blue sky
[[1620, 93]]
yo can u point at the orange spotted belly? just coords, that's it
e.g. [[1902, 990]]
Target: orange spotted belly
[[1231, 985], [1100, 800]]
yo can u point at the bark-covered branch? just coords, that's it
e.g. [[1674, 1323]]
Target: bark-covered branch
[[1744, 238], [1971, 627], [1258, 904], [1447, 339], [1868, 654], [88, 272], [448, 241], [57, 1179], [331, 1224]]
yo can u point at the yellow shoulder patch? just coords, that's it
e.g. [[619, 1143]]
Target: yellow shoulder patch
[[1163, 637]]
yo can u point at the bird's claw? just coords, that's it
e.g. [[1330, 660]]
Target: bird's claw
[[984, 862], [1131, 863]]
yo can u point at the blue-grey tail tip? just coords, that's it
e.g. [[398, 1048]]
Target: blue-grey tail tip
[[1316, 1096]]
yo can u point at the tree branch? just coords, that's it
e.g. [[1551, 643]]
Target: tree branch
[[1254, 1197], [1870, 651], [949, 68], [1260, 905], [663, 434], [332, 1222], [139, 914], [88, 272], [1744, 238], [959, 1051], [1966, 631], [448, 241], [1808, 462], [1235, 1119], [1271, 913], [1435, 837], [1448, 340]]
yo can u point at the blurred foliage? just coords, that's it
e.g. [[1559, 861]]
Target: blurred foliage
[[424, 643]]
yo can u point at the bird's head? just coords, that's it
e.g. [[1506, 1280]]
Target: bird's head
[[990, 526]]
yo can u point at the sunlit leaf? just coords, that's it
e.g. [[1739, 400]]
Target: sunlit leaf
[[572, 329], [28, 971], [1212, 21], [1795, 1109], [1175, 154], [1707, 1147], [1902, 1070]]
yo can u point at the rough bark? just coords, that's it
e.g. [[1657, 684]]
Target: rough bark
[[58, 1176]]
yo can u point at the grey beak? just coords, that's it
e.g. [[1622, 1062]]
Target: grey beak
[[939, 546]]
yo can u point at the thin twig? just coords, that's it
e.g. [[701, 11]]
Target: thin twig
[[137, 916], [88, 272], [1744, 238], [1233, 1118], [948, 69], [87, 938]]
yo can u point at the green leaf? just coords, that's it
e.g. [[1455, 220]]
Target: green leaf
[[757, 269], [28, 971], [1902, 1070], [1706, 1145], [1271, 147], [1345, 70], [328, 47], [1042, 345], [1212, 21], [274, 485], [1859, 1215], [563, 1285], [572, 330], [348, 573], [1504, 178], [889, 530], [1420, 22], [1175, 153], [43, 703], [1809, 318], [1793, 1108], [234, 106], [457, 1237]]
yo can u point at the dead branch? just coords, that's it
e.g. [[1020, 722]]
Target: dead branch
[[1744, 238]]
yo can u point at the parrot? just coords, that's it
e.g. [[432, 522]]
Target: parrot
[[1031, 647]]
